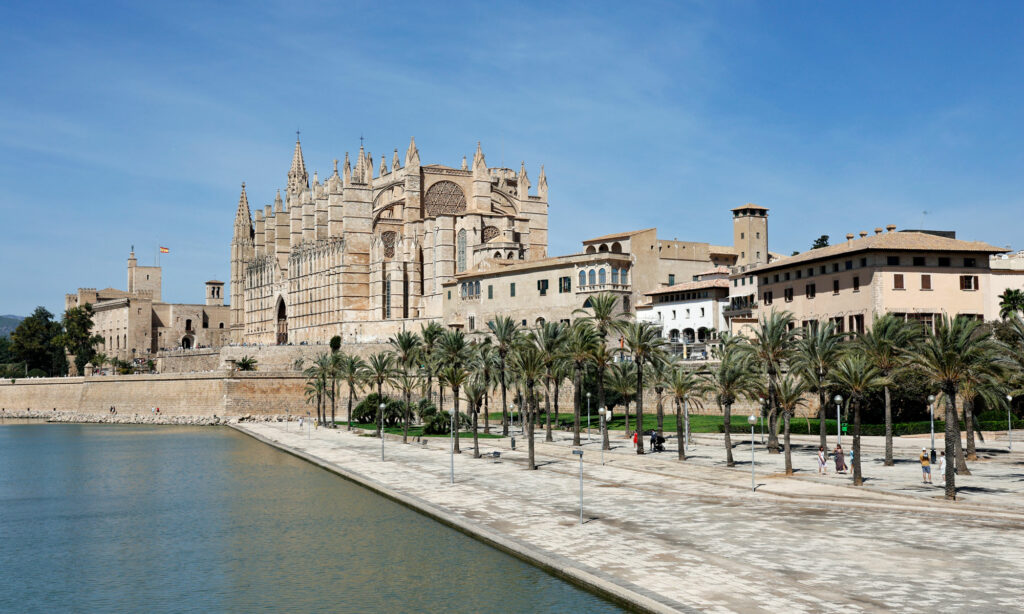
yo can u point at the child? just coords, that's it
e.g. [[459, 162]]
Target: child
[[821, 461]]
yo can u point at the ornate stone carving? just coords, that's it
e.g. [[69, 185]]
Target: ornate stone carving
[[489, 233], [388, 239], [444, 198]]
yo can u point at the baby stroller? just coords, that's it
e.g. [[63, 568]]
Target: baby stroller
[[657, 442]]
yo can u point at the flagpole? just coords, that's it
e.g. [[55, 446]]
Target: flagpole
[[158, 256]]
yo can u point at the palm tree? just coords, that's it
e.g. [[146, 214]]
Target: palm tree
[[246, 363], [318, 374], [505, 331], [99, 360], [406, 382], [772, 345], [353, 370], [455, 377], [486, 365], [817, 352], [954, 351], [735, 376], [314, 391], [1011, 302], [430, 335], [579, 346], [380, 371], [686, 388], [475, 390], [659, 373], [550, 338], [528, 363], [855, 374], [602, 358], [334, 373], [790, 394], [602, 313], [643, 342], [987, 387], [407, 347], [622, 381], [882, 345], [454, 352]]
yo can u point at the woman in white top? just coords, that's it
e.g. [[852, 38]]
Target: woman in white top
[[942, 467], [822, 461]]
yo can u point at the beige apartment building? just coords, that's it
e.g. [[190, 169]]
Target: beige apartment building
[[136, 323], [914, 274], [629, 264], [1007, 274]]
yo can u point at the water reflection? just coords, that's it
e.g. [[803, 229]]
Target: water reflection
[[168, 519]]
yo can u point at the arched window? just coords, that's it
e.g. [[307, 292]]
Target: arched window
[[476, 288], [583, 278], [616, 248], [539, 322], [591, 277], [221, 325], [603, 248], [601, 277], [615, 275], [462, 290], [460, 255], [511, 255], [591, 250], [622, 277], [497, 255]]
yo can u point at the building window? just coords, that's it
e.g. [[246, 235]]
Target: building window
[[673, 314], [857, 324], [969, 262], [472, 323], [449, 295], [591, 277], [622, 277], [835, 267], [809, 291], [810, 272], [542, 287], [387, 297], [775, 278], [512, 289], [601, 277], [943, 261], [490, 292], [788, 294], [787, 276], [968, 282], [799, 274], [863, 262], [848, 265], [918, 260], [835, 286], [476, 289], [566, 284], [856, 284], [583, 278], [671, 279], [767, 298], [897, 281], [926, 282], [702, 312], [741, 235], [893, 260], [615, 275], [460, 257]]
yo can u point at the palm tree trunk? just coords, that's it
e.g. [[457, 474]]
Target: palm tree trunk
[[661, 412], [405, 421], [487, 410], [547, 411], [577, 399], [773, 417], [958, 448], [686, 419], [458, 418], [504, 401], [555, 396], [822, 413], [858, 477], [785, 442], [972, 452], [679, 432], [476, 440], [639, 408], [380, 414], [600, 407], [889, 462], [727, 421], [626, 402], [952, 433], [334, 394], [349, 407], [530, 407]]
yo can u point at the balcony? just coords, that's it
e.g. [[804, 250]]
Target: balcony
[[590, 288]]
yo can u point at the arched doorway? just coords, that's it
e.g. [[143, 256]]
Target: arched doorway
[[282, 323], [186, 343]]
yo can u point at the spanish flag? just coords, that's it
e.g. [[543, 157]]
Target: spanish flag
[[164, 250]]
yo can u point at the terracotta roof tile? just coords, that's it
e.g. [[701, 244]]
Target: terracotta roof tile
[[618, 235], [692, 285]]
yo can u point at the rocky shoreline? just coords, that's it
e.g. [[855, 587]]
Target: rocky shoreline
[[137, 418]]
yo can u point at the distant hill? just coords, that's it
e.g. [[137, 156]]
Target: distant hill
[[8, 324]]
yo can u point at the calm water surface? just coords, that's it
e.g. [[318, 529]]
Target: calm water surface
[[177, 519]]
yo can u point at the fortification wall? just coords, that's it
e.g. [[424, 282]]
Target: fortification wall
[[268, 357]]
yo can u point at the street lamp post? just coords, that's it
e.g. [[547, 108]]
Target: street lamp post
[[752, 419], [308, 426], [931, 419], [451, 470], [512, 419], [760, 410], [1009, 420], [605, 415], [381, 408], [579, 453], [588, 417], [839, 420]]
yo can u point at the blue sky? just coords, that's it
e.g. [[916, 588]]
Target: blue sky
[[135, 123]]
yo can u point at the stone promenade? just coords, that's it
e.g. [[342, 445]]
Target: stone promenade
[[691, 536]]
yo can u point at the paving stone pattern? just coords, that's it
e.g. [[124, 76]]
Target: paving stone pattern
[[693, 536]]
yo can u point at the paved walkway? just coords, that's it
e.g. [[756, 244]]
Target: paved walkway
[[692, 536]]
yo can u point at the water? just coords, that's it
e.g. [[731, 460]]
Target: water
[[183, 519]]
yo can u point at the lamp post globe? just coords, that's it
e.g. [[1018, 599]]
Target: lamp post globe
[[839, 421]]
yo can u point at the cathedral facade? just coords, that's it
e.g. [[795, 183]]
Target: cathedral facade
[[365, 253]]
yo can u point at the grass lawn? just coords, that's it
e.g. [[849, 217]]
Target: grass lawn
[[414, 431], [699, 423]]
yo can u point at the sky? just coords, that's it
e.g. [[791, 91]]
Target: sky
[[134, 123]]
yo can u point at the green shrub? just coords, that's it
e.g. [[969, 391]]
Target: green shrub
[[366, 411]]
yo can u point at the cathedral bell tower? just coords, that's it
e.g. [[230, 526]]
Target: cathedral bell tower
[[242, 249]]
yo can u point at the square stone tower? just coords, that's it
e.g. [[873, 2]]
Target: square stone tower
[[750, 234], [143, 278]]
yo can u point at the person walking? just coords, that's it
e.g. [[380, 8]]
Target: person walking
[[840, 459], [822, 461], [926, 467], [942, 468]]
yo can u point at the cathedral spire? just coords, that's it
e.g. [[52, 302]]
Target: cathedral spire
[[542, 184], [243, 219], [394, 161], [298, 179], [383, 166], [278, 203], [523, 181], [412, 155], [464, 166], [479, 163], [347, 172]]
